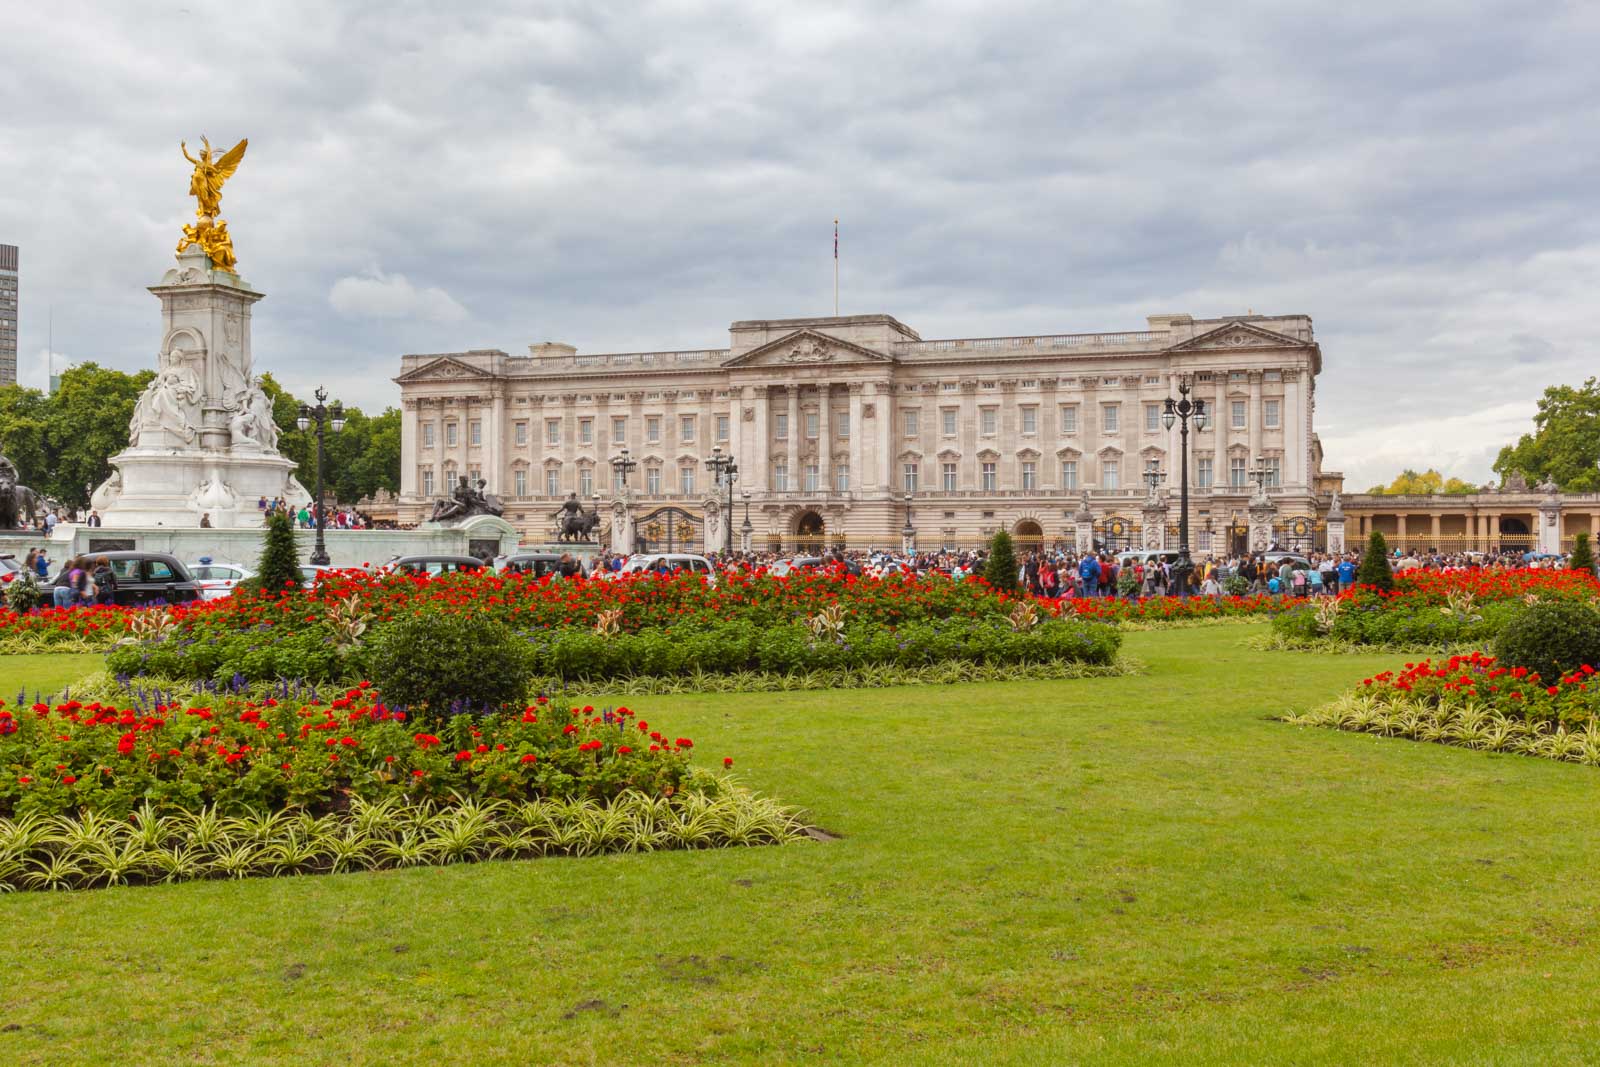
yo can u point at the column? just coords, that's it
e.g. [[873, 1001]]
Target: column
[[1253, 417], [792, 445], [883, 413], [858, 452], [755, 470], [1399, 531], [410, 434], [495, 462], [1293, 422], [825, 438], [968, 430], [1433, 530], [1220, 420]]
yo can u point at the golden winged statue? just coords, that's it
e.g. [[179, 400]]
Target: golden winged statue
[[210, 232]]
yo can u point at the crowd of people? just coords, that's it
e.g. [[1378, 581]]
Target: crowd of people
[[305, 516]]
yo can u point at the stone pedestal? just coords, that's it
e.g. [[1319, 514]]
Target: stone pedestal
[[716, 526], [1262, 513], [1550, 527], [202, 440], [1153, 517], [1083, 527], [622, 524]]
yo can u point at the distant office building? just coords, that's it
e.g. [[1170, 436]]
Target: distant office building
[[8, 314]]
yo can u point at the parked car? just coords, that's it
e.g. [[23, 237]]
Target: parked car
[[537, 564], [217, 580], [1145, 555], [432, 565], [1294, 559], [9, 567], [148, 578], [670, 563]]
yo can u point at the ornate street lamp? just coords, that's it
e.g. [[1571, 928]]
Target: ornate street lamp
[[1183, 411], [624, 466], [1154, 476], [726, 472], [908, 534], [323, 415], [746, 530]]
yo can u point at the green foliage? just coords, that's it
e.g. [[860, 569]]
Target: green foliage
[[279, 566], [60, 443], [1551, 637], [1001, 569], [359, 460], [445, 661], [1236, 585], [1374, 569], [1428, 483], [1582, 555], [1565, 444], [23, 593]]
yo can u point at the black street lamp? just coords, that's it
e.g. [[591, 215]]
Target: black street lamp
[[1181, 411], [908, 534], [1154, 476], [725, 471], [323, 415], [746, 529], [624, 466]]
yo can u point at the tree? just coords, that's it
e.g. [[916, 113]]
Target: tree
[[1582, 554], [1428, 483], [1001, 570], [357, 462], [87, 423], [1565, 445], [1374, 569], [279, 567]]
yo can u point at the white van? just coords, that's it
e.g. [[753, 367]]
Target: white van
[[673, 562]]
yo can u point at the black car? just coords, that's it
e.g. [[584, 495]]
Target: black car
[[146, 578]]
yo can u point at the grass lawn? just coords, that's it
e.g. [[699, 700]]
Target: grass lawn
[[1119, 870]]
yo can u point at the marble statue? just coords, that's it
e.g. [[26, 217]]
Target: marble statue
[[165, 405]]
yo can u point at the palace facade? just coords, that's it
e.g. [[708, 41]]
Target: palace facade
[[855, 431]]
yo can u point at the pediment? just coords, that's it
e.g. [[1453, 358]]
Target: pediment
[[443, 369], [1233, 336], [807, 348]]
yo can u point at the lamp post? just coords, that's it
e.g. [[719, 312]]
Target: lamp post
[[624, 466], [1154, 476], [746, 530], [323, 414], [726, 472], [908, 534], [1182, 410]]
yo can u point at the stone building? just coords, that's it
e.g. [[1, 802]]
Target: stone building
[[855, 431], [1510, 517], [8, 314]]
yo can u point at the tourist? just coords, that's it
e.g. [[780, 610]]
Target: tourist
[[41, 565], [50, 521], [62, 595], [105, 581], [29, 564], [205, 520], [94, 518]]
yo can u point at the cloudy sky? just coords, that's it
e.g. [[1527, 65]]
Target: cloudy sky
[[1420, 178]]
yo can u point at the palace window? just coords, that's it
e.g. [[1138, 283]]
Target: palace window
[[1110, 474], [1236, 473], [686, 480], [652, 429], [912, 421], [1152, 418], [1069, 418], [427, 435], [947, 422], [686, 428], [722, 427], [1108, 418], [475, 431], [450, 434], [427, 481], [519, 479], [813, 425], [474, 476], [948, 387], [586, 431], [841, 478], [619, 429], [908, 473], [585, 482], [780, 427], [1274, 465], [1269, 415], [987, 481], [1069, 474], [552, 481], [1236, 410], [948, 473], [522, 433], [780, 476], [1202, 472], [1030, 420], [1152, 379], [810, 483], [841, 419], [552, 431], [1030, 476], [652, 480], [988, 421]]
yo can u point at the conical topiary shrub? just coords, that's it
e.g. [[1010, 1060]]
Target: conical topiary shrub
[[279, 567], [1001, 570], [1374, 569], [1582, 554]]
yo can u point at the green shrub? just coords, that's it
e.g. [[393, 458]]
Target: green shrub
[[1236, 585], [23, 593], [1001, 570], [1582, 554], [279, 566], [450, 662], [1551, 637], [1374, 569]]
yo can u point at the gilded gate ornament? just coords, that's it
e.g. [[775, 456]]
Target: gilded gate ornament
[[210, 233]]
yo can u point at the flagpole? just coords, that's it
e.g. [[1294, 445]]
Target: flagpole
[[836, 268]]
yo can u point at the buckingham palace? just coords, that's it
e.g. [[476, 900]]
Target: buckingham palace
[[854, 431]]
